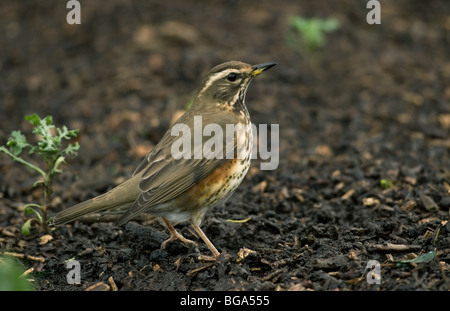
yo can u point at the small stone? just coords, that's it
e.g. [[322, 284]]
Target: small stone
[[428, 203], [444, 202], [158, 254]]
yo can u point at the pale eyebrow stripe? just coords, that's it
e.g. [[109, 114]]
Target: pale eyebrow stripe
[[217, 76]]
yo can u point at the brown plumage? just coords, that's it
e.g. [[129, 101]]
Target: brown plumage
[[183, 187]]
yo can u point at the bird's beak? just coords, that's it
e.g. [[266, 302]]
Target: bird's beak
[[257, 69]]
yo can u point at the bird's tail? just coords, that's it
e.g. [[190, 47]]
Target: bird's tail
[[121, 197]]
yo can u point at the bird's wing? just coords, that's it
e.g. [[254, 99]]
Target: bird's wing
[[164, 177]]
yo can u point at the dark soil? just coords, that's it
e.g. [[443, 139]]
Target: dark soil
[[372, 104]]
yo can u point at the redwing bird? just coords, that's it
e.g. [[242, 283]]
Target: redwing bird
[[182, 187]]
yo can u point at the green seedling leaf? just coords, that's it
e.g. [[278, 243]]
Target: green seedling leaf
[[38, 183], [55, 168], [49, 121], [26, 227], [330, 25], [12, 275], [422, 258], [312, 30], [17, 142], [48, 142], [386, 183], [73, 133], [66, 134], [72, 149], [29, 209], [33, 119]]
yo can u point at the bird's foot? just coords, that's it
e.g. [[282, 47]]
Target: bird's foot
[[219, 257], [174, 235]]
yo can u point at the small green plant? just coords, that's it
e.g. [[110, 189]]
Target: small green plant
[[307, 35], [386, 183], [51, 150]]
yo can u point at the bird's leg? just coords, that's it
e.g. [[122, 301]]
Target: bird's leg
[[174, 235], [208, 243]]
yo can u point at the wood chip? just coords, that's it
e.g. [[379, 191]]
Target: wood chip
[[390, 258], [271, 275], [112, 284], [29, 257], [324, 151], [156, 267], [428, 203], [297, 287], [243, 253], [177, 263], [409, 205], [22, 243], [8, 233], [298, 193], [296, 242], [447, 186], [98, 287], [428, 219], [339, 186], [260, 187], [195, 271], [27, 272], [141, 150], [410, 180], [389, 247], [371, 201], [283, 194], [353, 255], [348, 194], [45, 239], [444, 120], [239, 220]]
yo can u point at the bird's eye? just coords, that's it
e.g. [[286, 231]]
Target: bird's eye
[[231, 77]]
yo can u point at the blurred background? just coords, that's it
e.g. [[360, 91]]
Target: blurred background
[[133, 63]]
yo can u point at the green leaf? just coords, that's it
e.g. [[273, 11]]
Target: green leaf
[[11, 275], [26, 227], [55, 168], [73, 133], [330, 25], [17, 142], [47, 145], [386, 183], [48, 120], [422, 258], [72, 150], [38, 183], [33, 119], [29, 209], [312, 30]]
